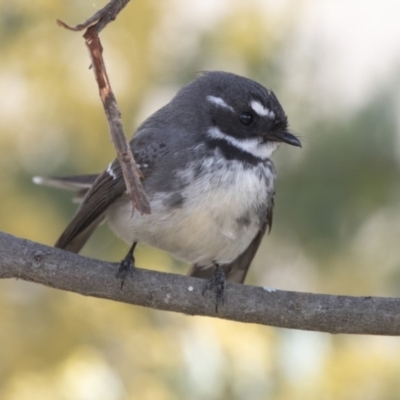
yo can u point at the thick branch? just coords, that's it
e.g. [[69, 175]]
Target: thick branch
[[20, 258]]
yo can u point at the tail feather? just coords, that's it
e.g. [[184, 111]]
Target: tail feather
[[75, 244], [73, 182], [235, 271], [237, 275], [80, 184], [99, 195]]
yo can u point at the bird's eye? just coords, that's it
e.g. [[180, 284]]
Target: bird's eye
[[246, 118]]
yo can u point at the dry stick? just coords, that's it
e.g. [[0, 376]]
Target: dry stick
[[131, 172], [101, 19], [63, 270]]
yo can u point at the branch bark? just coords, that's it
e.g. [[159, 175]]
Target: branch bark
[[23, 259]]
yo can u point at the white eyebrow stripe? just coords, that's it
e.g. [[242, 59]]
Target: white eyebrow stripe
[[219, 102], [252, 146], [261, 110]]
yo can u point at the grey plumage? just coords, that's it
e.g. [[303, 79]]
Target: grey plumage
[[207, 174]]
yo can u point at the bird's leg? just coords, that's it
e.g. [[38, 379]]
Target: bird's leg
[[126, 266], [217, 285]]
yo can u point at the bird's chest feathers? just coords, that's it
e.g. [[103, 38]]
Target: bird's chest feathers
[[230, 197], [214, 215]]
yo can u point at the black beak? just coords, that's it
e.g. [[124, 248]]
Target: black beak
[[286, 137]]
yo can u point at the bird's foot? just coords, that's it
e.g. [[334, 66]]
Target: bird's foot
[[126, 266], [217, 285]]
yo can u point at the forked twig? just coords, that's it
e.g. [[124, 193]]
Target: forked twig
[[101, 19], [129, 168]]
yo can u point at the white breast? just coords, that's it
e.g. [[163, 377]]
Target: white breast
[[221, 214]]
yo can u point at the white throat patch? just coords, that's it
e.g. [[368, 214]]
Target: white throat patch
[[252, 146]]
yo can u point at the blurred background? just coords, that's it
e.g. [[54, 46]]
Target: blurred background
[[334, 65]]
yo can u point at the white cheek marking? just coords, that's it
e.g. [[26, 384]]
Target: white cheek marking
[[219, 102], [261, 110], [253, 146], [111, 172]]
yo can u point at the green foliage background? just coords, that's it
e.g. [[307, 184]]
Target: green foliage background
[[336, 225]]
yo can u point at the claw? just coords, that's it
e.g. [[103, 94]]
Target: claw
[[126, 266]]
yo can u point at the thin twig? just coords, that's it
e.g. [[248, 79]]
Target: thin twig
[[130, 170], [59, 269], [102, 17]]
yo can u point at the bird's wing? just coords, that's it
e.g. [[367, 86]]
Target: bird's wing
[[236, 271], [106, 189]]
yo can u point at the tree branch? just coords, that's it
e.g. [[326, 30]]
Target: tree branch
[[23, 259]]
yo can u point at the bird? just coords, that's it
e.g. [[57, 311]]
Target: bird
[[205, 161]]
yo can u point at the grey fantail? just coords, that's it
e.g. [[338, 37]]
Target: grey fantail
[[207, 173]]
